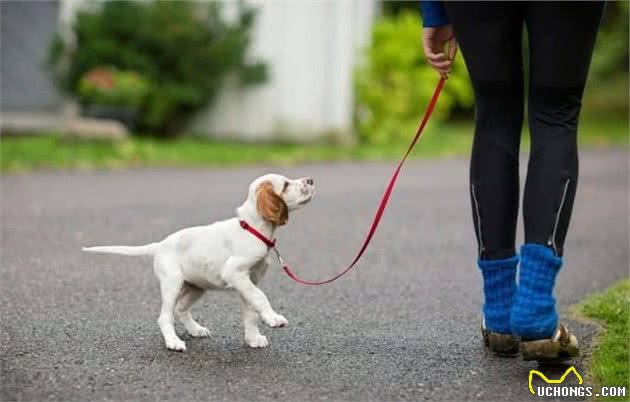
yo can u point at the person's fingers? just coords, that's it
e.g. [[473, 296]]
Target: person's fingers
[[435, 57], [441, 65], [440, 55], [430, 53], [440, 70], [444, 69], [452, 48]]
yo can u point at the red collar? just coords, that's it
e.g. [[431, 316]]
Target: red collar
[[262, 237]]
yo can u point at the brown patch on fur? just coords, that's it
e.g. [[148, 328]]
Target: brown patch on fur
[[270, 205]]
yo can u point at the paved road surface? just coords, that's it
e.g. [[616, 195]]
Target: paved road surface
[[404, 325]]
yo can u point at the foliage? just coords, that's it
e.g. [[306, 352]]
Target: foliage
[[607, 90], [395, 7], [607, 87], [611, 51], [107, 86], [611, 308], [26, 153], [184, 49], [395, 82]]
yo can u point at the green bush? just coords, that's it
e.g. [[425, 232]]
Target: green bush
[[184, 49], [607, 90], [395, 83], [107, 86], [611, 51]]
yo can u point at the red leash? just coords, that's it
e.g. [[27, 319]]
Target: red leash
[[381, 207]]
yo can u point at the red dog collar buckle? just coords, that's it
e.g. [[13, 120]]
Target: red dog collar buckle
[[262, 237]]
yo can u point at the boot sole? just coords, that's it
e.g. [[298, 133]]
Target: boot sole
[[548, 351], [503, 345], [563, 346]]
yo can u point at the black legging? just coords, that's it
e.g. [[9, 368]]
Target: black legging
[[561, 38]]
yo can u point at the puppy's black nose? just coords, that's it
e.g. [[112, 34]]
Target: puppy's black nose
[[309, 181]]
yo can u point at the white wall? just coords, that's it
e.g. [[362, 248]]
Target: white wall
[[311, 48]]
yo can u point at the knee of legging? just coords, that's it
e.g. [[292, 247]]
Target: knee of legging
[[498, 101], [554, 153], [498, 114], [554, 111]]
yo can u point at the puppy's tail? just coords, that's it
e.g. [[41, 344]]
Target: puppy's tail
[[148, 249]]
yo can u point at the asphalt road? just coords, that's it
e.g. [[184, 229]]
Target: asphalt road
[[403, 326]]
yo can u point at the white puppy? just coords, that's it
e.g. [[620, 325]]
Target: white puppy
[[222, 255]]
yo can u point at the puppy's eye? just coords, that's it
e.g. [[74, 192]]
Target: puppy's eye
[[286, 185]]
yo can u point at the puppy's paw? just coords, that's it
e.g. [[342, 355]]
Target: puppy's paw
[[275, 320], [199, 332], [175, 344], [257, 341]]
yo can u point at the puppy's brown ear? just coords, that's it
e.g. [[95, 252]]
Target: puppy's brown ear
[[270, 205]]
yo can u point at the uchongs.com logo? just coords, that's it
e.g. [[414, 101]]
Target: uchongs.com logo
[[554, 388]]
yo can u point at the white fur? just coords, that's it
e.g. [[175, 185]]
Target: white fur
[[218, 256]]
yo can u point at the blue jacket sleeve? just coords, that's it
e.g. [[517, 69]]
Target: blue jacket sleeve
[[433, 14]]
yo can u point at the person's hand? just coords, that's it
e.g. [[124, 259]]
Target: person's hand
[[440, 47]]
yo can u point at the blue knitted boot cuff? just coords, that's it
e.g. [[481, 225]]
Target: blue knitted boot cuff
[[499, 284], [534, 310]]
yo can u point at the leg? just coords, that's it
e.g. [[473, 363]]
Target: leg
[[187, 297], [239, 278], [253, 337], [558, 75], [171, 283], [490, 36]]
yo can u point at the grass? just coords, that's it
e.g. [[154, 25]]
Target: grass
[[54, 151], [610, 363]]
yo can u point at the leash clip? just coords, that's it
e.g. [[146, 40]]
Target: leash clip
[[279, 256]]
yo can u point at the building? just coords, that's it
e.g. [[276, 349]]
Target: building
[[311, 48]]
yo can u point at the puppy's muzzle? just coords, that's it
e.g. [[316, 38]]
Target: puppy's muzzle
[[308, 185]]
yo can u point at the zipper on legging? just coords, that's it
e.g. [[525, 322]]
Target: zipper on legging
[[552, 240], [478, 228]]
